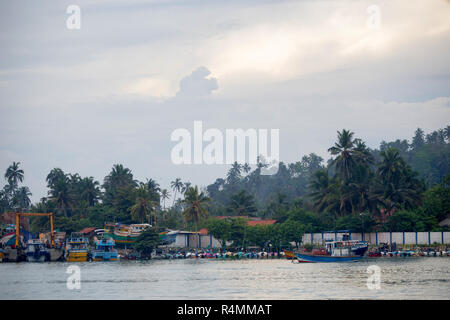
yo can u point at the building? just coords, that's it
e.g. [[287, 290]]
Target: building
[[445, 222], [201, 239], [88, 232]]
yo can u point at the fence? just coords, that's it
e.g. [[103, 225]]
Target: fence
[[442, 237]]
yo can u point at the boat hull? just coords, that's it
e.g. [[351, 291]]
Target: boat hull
[[105, 256], [101, 259], [302, 257], [77, 257], [34, 258], [119, 239]]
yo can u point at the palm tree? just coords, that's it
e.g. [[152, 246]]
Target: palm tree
[[344, 149], [144, 206], [398, 186], [324, 192], [165, 194], [153, 185], [90, 191], [241, 203], [186, 187], [14, 174], [391, 164], [21, 198], [246, 167], [119, 177], [234, 174], [54, 175], [196, 205], [62, 196], [177, 186]]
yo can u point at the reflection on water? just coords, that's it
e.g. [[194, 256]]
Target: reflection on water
[[401, 278]]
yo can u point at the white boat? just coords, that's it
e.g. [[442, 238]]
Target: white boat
[[36, 251]]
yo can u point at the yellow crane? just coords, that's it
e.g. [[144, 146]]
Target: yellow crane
[[30, 214]]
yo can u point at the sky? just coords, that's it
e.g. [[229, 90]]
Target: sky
[[115, 89]]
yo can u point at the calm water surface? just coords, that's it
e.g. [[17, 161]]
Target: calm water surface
[[401, 278]]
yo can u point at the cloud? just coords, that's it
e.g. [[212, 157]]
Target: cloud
[[197, 84], [116, 89]]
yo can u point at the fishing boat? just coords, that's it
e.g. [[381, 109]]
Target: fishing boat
[[77, 248], [2, 255], [105, 251], [124, 234], [36, 251], [336, 251]]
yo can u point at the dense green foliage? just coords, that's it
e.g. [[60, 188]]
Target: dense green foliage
[[402, 186], [146, 242]]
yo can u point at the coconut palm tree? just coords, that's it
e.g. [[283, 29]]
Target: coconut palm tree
[[22, 197], [120, 177], [54, 175], [186, 187], [165, 194], [241, 204], [324, 192], [196, 205], [246, 168], [90, 191], [345, 161], [13, 174], [234, 174], [144, 206], [177, 186], [62, 195], [391, 164], [397, 186]]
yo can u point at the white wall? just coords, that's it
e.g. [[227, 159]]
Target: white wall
[[385, 237]]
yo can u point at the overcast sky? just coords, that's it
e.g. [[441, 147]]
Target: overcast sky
[[114, 90]]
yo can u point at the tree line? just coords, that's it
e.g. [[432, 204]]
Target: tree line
[[401, 186]]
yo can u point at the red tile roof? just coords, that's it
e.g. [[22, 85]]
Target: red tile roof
[[203, 231], [261, 222], [88, 230]]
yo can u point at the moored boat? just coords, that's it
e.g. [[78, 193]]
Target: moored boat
[[336, 251], [77, 248], [36, 251], [105, 251], [124, 234]]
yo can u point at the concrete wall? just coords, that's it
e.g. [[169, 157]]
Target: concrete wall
[[187, 240], [385, 237]]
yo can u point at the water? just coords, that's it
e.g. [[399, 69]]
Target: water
[[401, 278]]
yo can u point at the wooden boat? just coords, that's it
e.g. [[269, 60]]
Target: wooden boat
[[77, 248], [124, 234], [336, 251]]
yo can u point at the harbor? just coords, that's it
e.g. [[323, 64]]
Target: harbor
[[117, 242]]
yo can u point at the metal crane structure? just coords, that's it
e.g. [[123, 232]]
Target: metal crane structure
[[30, 214]]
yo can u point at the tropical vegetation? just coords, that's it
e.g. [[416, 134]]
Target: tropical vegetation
[[402, 186]]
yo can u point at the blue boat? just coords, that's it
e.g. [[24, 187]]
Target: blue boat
[[337, 251], [105, 251]]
